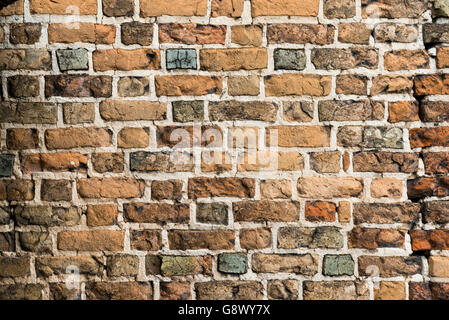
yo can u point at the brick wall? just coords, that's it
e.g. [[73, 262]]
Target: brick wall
[[135, 134]]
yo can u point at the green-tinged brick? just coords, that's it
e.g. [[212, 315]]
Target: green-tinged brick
[[338, 265], [232, 263]]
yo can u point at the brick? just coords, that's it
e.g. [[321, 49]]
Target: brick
[[275, 189], [435, 33], [427, 187], [160, 161], [50, 266], [118, 8], [244, 86], [392, 10], [371, 238], [263, 211], [442, 58], [119, 291], [37, 242], [395, 32], [78, 86], [289, 59], [54, 162], [201, 239], [246, 35], [20, 59], [429, 137], [352, 84], [133, 138], [282, 290], [300, 33], [188, 111], [229, 290], [24, 33], [357, 33], [344, 59], [126, 60], [94, 188], [320, 237], [98, 240], [300, 111], [386, 188], [69, 138], [161, 213], [166, 190], [335, 290], [320, 211], [23, 86], [155, 8], [257, 238], [7, 242], [221, 187], [434, 111], [16, 190], [7, 165], [305, 264], [187, 85], [174, 291], [385, 162], [438, 267], [47, 216], [77, 113], [297, 85], [338, 265], [344, 211], [14, 267], [436, 212], [72, 59], [339, 9], [192, 33], [318, 187], [146, 240], [137, 33], [406, 60], [133, 87], [233, 59], [121, 110], [350, 136], [390, 290], [101, 215], [181, 59], [431, 84], [350, 110], [122, 265], [212, 213], [325, 162], [301, 136], [21, 291], [403, 111], [386, 213], [440, 9], [234, 263], [85, 7], [56, 190], [389, 266], [86, 32], [391, 84], [228, 8], [108, 162], [247, 110], [430, 239], [2, 34], [13, 8], [28, 112], [308, 8], [436, 162]]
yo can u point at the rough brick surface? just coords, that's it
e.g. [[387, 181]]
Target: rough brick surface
[[224, 149]]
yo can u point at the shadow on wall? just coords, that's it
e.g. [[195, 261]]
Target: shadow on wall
[[5, 3]]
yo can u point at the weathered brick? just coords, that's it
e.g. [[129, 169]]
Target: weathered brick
[[174, 291], [246, 35], [395, 32], [339, 9], [229, 8], [187, 85], [406, 60], [429, 137], [436, 212], [180, 59], [7, 165], [108, 162], [78, 86], [166, 190], [430, 239], [431, 84], [69, 138], [119, 291], [334, 59], [133, 87], [185, 265], [118, 8], [101, 215], [386, 84], [7, 242], [275, 189], [318, 187], [212, 213], [257, 238], [320, 211], [72, 59], [14, 266], [434, 111], [28, 112], [350, 110], [77, 113], [10, 8], [24, 33], [133, 138], [122, 265], [49, 266], [137, 33], [97, 240], [352, 84], [325, 162], [94, 188], [390, 290], [306, 264], [386, 188], [403, 111], [338, 265], [56, 190], [146, 240], [320, 237], [161, 213], [357, 33], [155, 8], [307, 8], [297, 85], [435, 33], [23, 86], [201, 239], [160, 161], [335, 290], [300, 33], [47, 216], [126, 60], [54, 162], [427, 187], [235, 263], [221, 187], [301, 111], [85, 32], [121, 110], [371, 238], [192, 33], [391, 9], [244, 86], [245, 110], [40, 243], [282, 289], [389, 266], [85, 7], [233, 59], [228, 290], [301, 136], [188, 111], [381, 213], [16, 190], [21, 291], [263, 211], [289, 59], [382, 161]]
